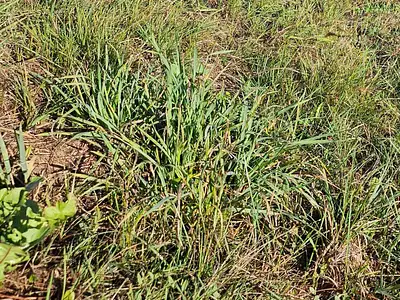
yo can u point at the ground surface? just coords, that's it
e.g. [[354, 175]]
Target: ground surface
[[223, 149]]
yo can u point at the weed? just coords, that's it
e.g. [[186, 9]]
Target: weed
[[23, 224]]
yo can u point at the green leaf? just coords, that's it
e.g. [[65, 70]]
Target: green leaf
[[52, 214], [61, 211], [33, 235], [10, 256], [15, 236], [26, 225], [22, 153], [6, 160], [68, 295], [15, 196], [69, 207]]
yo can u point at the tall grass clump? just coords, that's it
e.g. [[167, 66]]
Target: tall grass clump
[[216, 169], [210, 184]]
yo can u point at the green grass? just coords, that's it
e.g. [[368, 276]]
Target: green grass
[[243, 149]]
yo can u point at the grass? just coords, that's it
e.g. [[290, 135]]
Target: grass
[[239, 149]]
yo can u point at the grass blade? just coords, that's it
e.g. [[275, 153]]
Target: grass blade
[[6, 160]]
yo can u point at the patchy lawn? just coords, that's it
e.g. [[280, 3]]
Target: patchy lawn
[[223, 149]]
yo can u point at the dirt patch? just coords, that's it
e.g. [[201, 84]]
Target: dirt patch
[[50, 157], [9, 119]]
